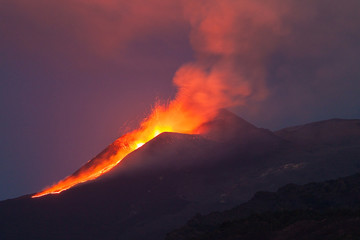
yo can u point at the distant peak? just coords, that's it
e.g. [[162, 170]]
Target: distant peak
[[224, 125], [228, 117], [332, 131]]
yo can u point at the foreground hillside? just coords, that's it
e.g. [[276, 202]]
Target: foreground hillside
[[326, 210], [158, 187]]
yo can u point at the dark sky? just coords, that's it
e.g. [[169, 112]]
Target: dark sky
[[76, 74]]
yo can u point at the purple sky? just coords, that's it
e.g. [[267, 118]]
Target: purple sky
[[76, 75]]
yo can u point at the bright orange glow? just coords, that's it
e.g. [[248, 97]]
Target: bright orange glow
[[139, 145], [163, 119]]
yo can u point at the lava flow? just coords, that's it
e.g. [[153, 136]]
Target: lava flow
[[162, 119]]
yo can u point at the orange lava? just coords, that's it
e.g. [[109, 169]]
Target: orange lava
[[163, 119]]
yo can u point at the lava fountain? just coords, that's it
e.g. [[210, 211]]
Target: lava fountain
[[201, 93], [170, 118]]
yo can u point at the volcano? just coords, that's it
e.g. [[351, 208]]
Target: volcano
[[162, 184]]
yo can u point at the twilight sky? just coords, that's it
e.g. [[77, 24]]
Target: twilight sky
[[77, 74]]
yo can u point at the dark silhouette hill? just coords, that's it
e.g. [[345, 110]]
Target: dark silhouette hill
[[161, 185], [325, 210], [330, 133]]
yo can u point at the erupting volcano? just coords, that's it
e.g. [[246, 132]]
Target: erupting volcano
[[214, 80], [74, 72], [201, 94]]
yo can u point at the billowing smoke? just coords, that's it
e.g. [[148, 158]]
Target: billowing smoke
[[232, 41]]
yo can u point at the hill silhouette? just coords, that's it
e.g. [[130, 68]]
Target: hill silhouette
[[161, 185], [325, 210]]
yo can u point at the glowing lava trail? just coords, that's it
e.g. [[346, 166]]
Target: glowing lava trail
[[163, 119]]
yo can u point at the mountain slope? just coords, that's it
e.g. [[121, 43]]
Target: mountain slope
[[162, 184], [326, 210], [330, 133]]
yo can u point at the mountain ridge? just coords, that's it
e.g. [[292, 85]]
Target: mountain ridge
[[293, 206], [162, 184]]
